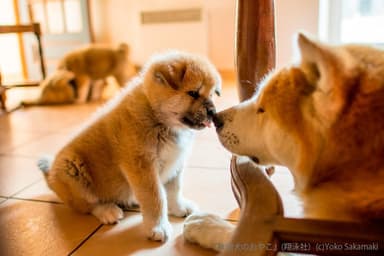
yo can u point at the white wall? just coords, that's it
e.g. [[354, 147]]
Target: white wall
[[293, 16], [119, 20]]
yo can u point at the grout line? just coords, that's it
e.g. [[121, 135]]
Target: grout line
[[24, 188], [35, 200], [5, 199], [85, 240]]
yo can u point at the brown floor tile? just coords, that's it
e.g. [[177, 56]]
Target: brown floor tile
[[47, 145], [16, 173], [47, 118], [33, 228], [38, 191], [211, 190], [10, 139], [38, 119], [127, 238]]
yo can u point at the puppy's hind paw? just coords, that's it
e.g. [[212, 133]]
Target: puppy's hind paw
[[207, 230], [108, 213]]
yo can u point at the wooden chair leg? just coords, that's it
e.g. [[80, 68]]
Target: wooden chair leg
[[261, 207], [2, 95], [255, 44], [255, 57], [2, 99]]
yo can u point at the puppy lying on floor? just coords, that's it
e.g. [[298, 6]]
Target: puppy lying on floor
[[323, 119], [136, 145], [75, 79]]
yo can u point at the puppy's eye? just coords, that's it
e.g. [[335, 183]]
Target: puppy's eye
[[193, 94], [260, 110]]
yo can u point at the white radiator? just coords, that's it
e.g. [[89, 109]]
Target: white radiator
[[183, 29]]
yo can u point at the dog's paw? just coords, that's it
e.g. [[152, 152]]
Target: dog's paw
[[207, 230], [130, 203], [108, 213], [182, 208], [160, 232]]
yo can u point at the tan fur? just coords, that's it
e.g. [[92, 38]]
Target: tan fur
[[97, 62], [135, 146], [83, 67], [55, 89], [324, 120]]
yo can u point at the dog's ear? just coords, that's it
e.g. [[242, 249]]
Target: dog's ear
[[329, 72], [171, 74], [318, 61]]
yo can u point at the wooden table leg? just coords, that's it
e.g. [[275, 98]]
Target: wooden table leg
[[255, 44]]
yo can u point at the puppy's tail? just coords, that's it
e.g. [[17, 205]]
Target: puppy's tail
[[44, 164]]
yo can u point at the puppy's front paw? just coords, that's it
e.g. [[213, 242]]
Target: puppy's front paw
[[108, 213], [182, 208], [161, 232], [207, 230]]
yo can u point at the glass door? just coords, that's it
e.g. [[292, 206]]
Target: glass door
[[65, 26]]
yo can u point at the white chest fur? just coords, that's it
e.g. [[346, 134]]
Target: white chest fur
[[173, 153]]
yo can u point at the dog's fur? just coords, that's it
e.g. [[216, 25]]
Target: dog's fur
[[323, 119], [136, 145], [77, 73], [58, 88]]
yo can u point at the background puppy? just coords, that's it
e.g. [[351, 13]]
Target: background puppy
[[323, 119], [58, 88], [96, 62], [136, 145], [78, 74]]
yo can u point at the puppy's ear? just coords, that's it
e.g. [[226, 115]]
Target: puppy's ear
[[171, 74], [218, 89], [218, 84]]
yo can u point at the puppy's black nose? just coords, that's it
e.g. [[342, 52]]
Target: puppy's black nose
[[211, 111], [219, 123]]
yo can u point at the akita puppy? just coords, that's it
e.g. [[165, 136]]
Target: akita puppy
[[136, 145], [324, 120]]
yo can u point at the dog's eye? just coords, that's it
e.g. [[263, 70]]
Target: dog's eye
[[193, 94], [260, 110]]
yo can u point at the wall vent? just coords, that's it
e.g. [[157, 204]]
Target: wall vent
[[171, 16]]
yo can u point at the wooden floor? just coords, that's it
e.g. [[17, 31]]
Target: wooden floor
[[34, 221]]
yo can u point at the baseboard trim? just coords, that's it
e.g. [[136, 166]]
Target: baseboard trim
[[228, 74]]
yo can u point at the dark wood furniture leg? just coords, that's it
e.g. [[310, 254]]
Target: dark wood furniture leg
[[2, 96], [255, 44]]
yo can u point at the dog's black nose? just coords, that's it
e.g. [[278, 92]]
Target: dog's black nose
[[219, 123]]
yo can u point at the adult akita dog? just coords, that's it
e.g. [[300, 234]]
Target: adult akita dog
[[323, 119]]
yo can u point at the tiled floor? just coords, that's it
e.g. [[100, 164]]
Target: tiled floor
[[33, 221]]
